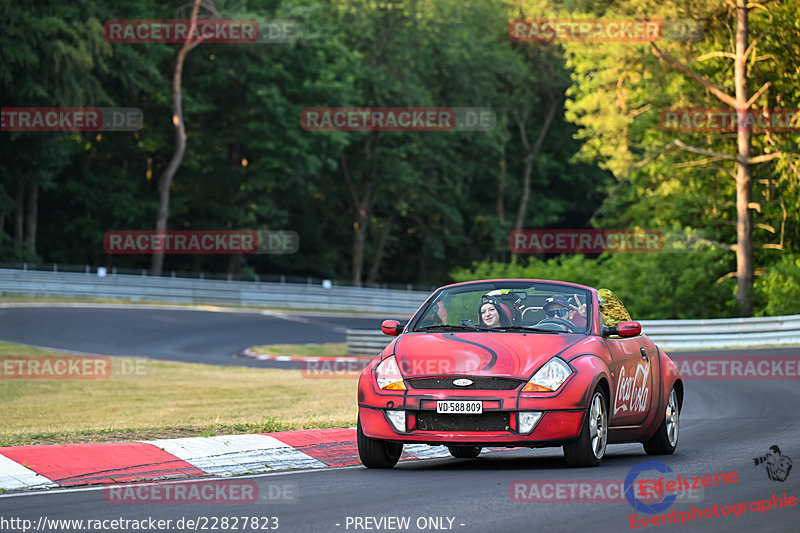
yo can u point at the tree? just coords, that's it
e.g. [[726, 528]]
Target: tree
[[165, 181], [51, 55], [626, 137], [741, 103]]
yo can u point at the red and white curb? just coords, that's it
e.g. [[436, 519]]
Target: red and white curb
[[50, 466], [304, 358]]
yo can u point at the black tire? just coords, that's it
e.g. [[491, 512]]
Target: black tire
[[376, 453], [465, 452], [590, 448], [665, 439]]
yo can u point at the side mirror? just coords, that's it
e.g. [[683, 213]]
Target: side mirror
[[392, 327], [629, 329], [623, 329]]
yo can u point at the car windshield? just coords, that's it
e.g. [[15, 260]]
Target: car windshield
[[511, 306]]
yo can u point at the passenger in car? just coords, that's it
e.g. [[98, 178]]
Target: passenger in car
[[492, 313]]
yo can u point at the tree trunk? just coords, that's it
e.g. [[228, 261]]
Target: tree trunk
[[235, 263], [19, 217], [165, 181], [362, 206], [360, 229], [530, 155], [744, 233], [31, 215], [522, 210], [359, 238], [376, 259], [501, 188]]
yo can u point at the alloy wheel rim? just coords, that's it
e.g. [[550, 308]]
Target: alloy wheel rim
[[597, 426], [672, 418]]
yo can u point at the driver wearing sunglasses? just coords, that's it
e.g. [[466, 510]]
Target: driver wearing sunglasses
[[558, 306]]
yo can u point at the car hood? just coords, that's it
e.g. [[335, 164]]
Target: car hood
[[478, 354]]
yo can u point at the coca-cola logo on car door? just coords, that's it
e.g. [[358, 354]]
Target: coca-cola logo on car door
[[633, 391]]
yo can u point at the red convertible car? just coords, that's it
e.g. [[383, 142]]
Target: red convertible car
[[514, 363]]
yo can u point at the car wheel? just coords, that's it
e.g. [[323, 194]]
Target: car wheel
[[590, 448], [376, 453], [665, 440], [465, 452]]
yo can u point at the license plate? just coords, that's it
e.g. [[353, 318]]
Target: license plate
[[461, 407]]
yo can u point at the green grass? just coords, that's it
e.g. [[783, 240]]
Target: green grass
[[333, 349], [168, 399]]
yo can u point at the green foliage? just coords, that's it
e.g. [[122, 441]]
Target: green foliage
[[439, 201], [651, 285], [779, 289]]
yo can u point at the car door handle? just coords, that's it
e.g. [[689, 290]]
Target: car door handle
[[644, 353]]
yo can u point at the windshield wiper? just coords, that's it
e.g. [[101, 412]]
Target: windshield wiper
[[445, 327], [530, 328]]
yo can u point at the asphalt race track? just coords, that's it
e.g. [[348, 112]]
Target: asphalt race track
[[191, 336], [176, 335], [724, 426]]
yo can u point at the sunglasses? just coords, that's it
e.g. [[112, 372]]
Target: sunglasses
[[556, 312]]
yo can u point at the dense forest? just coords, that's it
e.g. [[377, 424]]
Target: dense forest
[[579, 142]]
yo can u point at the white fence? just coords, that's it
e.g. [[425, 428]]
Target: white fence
[[668, 334], [198, 291]]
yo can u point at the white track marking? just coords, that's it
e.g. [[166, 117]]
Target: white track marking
[[237, 454], [423, 451], [15, 476]]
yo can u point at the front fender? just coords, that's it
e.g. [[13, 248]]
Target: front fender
[[595, 373]]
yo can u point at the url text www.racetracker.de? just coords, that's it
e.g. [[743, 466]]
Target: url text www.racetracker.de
[[91, 525], [716, 511]]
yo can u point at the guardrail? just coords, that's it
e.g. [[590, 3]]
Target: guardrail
[[197, 291], [667, 334]]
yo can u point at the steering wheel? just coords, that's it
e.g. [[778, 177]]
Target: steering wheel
[[561, 322]]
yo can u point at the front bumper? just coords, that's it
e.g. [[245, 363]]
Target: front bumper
[[563, 410], [553, 428]]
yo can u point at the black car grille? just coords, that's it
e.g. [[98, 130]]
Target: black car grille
[[478, 383], [488, 421]]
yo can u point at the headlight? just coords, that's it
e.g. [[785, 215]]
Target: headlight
[[388, 375], [550, 377]]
